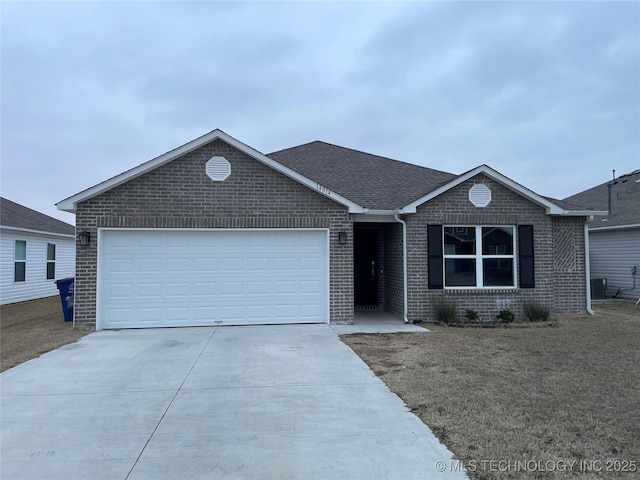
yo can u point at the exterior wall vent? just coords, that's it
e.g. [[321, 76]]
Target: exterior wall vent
[[218, 169], [480, 195]]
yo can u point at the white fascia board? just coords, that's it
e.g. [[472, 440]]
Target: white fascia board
[[373, 218], [615, 227], [551, 208], [39, 232], [69, 204], [584, 213]]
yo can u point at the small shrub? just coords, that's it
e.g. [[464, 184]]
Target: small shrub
[[472, 315], [446, 312], [535, 312], [506, 315]]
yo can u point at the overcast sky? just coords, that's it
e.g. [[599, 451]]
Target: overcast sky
[[548, 93]]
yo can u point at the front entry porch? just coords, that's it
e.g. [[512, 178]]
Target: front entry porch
[[377, 321], [378, 268]]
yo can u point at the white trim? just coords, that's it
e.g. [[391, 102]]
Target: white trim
[[100, 255], [170, 229], [587, 269], [550, 207], [69, 204], [39, 232], [615, 227], [99, 268], [405, 296], [369, 218], [328, 279], [478, 257]]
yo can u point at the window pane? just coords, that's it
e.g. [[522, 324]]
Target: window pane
[[19, 272], [21, 250], [460, 272], [497, 240], [51, 251], [497, 272], [459, 240], [51, 270]]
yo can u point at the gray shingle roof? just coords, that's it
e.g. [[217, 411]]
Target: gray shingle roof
[[625, 201], [371, 181], [15, 215]]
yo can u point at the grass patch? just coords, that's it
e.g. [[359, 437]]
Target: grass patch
[[564, 394], [29, 329]]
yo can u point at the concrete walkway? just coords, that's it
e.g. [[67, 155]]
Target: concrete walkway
[[267, 402]]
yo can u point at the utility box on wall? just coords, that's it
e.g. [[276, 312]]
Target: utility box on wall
[[598, 288]]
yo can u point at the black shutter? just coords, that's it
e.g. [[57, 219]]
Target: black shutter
[[434, 246], [525, 254]]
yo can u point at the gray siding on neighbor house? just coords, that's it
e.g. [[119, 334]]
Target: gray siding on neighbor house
[[559, 265], [180, 195], [613, 253]]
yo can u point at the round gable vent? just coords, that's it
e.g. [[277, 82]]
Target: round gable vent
[[218, 169], [480, 195]]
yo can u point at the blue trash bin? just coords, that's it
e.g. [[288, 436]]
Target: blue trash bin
[[66, 297]]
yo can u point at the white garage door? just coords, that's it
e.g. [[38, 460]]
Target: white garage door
[[171, 278]]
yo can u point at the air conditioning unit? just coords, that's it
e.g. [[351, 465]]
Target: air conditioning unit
[[598, 288]]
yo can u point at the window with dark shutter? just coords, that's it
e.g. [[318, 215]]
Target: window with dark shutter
[[525, 256], [434, 245]]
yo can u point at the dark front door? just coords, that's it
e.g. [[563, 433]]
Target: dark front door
[[366, 266]]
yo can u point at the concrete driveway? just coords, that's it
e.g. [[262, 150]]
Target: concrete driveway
[[266, 402]]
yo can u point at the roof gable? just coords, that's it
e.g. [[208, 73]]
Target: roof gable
[[69, 204], [551, 206], [14, 215]]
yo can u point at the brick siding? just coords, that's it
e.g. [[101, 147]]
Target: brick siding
[[180, 195], [559, 257], [393, 269]]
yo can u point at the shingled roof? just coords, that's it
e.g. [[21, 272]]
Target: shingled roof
[[18, 216], [374, 182], [625, 201]]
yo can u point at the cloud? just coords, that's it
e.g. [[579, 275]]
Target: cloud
[[548, 93]]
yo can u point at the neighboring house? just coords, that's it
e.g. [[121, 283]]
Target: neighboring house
[[614, 239], [35, 251], [216, 233]]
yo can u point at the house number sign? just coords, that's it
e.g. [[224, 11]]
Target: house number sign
[[322, 189]]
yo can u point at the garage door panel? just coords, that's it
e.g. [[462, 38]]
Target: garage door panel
[[177, 288], [117, 265], [205, 264], [178, 278], [232, 264], [285, 264]]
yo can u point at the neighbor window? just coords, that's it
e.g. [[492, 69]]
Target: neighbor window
[[20, 261], [479, 256], [51, 261]]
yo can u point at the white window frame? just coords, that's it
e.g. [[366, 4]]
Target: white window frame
[[479, 257], [19, 260], [50, 261]]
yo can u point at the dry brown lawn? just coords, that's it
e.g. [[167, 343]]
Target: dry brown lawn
[[566, 397], [556, 402], [29, 329]]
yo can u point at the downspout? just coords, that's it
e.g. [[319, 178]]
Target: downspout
[[404, 267], [587, 266]]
